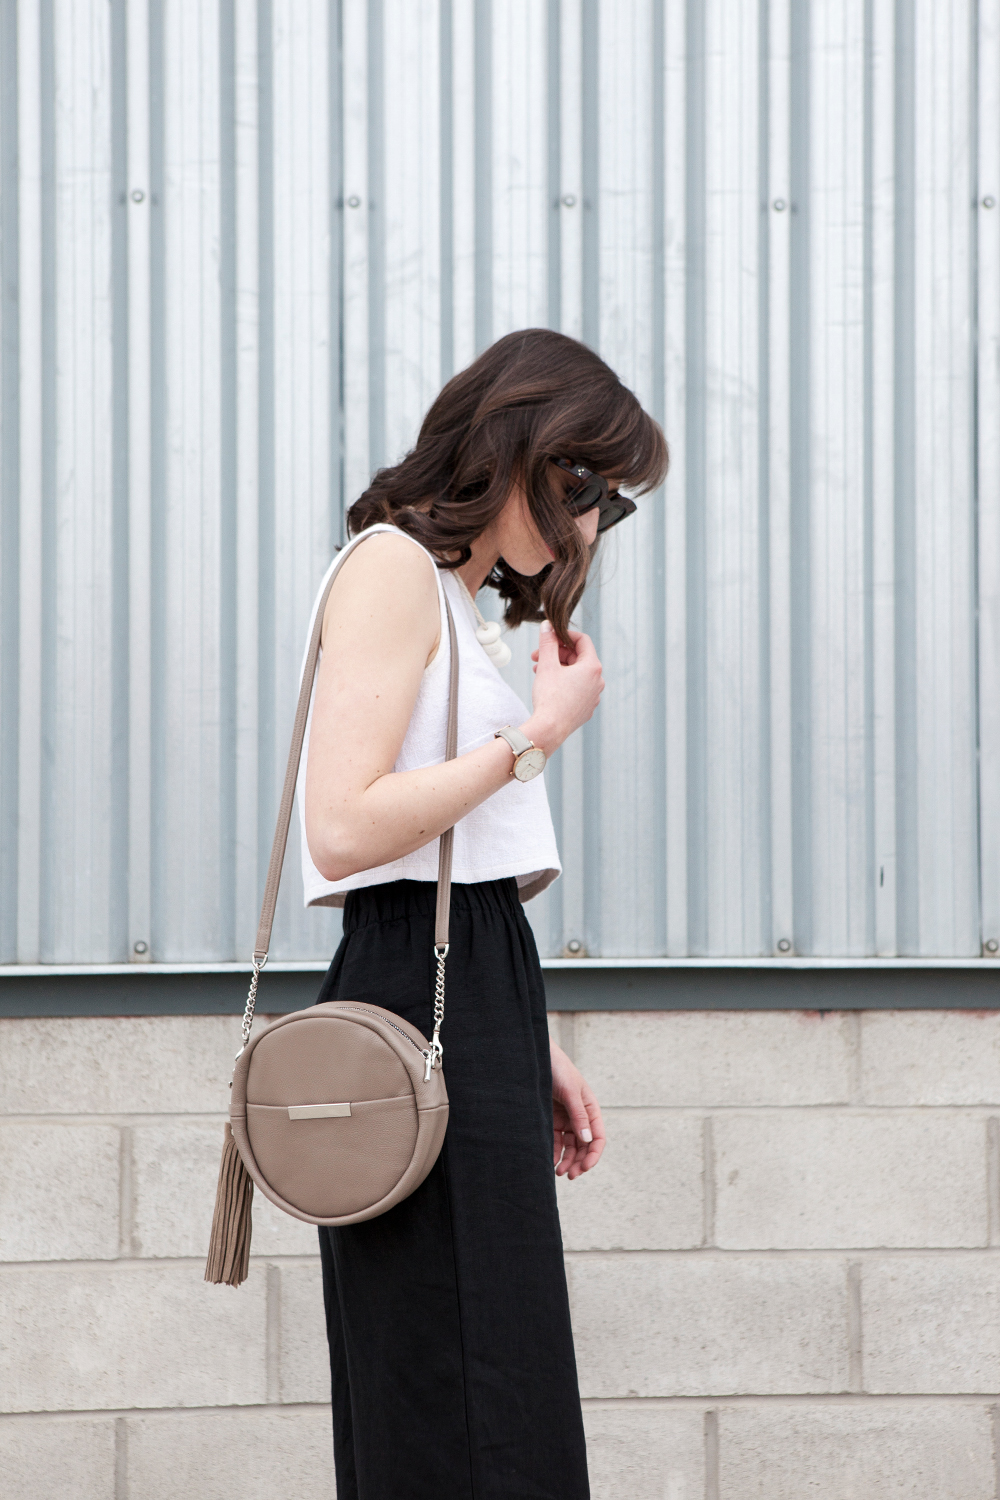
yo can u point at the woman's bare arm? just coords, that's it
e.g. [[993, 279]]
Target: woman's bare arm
[[380, 629]]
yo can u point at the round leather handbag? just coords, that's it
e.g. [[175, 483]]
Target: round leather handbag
[[337, 1112]]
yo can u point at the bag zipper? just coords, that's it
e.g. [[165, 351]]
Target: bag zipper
[[425, 1052]]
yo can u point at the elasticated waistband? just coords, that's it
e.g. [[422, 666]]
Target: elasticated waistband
[[418, 898]]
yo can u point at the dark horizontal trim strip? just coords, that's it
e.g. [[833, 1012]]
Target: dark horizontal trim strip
[[566, 990]]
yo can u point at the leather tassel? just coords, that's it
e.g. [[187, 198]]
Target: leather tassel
[[229, 1246]]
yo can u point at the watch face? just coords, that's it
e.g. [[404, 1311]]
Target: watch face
[[529, 764]]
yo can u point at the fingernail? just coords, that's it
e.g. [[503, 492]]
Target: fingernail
[[546, 625], [585, 1135]]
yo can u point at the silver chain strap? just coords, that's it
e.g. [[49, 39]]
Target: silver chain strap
[[251, 1001], [437, 1051]]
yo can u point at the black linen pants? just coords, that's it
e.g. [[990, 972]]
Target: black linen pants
[[451, 1353]]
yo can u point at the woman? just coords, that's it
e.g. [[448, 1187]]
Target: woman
[[453, 1371]]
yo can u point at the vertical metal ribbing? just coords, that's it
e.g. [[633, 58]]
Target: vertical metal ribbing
[[809, 668], [565, 780], [799, 473], [675, 399], [947, 894], [335, 270], [778, 217], [657, 928], [446, 177], [228, 478], [881, 470], [988, 425], [694, 488], [47, 495], [188, 665], [30, 445], [9, 483], [904, 481], [590, 332], [629, 585], [304, 324], [268, 758], [375, 208], [412, 298], [354, 102], [79, 906], [140, 394], [482, 123], [148, 499], [553, 173], [519, 209], [734, 737], [246, 335], [118, 707], [836, 617], [466, 184]]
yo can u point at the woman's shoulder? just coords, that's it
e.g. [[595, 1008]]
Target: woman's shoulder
[[388, 572], [394, 548]]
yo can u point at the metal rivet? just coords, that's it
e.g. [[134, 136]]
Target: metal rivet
[[779, 205], [574, 945], [354, 201], [141, 947], [569, 200], [989, 201], [784, 946], [992, 946], [138, 195]]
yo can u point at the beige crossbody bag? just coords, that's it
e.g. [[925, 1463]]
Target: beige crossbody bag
[[337, 1112]]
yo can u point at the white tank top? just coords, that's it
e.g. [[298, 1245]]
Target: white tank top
[[511, 832]]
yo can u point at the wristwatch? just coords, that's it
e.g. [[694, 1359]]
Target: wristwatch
[[529, 759]]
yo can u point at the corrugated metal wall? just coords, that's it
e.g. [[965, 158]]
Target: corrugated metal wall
[[241, 246]]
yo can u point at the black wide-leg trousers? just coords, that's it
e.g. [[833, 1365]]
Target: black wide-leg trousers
[[451, 1354]]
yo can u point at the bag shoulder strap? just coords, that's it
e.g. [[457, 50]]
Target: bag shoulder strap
[[263, 941]]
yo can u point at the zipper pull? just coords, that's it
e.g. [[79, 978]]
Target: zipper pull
[[428, 1057]]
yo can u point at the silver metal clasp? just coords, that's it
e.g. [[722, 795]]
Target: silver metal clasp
[[258, 964], [435, 1052]]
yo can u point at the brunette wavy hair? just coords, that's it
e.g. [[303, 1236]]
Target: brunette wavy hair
[[532, 397]]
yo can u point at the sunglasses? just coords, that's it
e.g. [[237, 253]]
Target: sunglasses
[[591, 490]]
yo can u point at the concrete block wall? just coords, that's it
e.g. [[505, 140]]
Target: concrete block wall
[[785, 1275]]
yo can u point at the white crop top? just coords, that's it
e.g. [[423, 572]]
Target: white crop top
[[511, 832]]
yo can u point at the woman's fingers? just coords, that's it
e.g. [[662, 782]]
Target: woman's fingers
[[565, 1146], [596, 1146], [584, 1153], [576, 1118]]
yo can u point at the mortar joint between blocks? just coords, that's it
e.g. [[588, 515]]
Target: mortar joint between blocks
[[708, 1182], [855, 1345], [121, 1459], [127, 1248], [855, 1024], [273, 1343], [993, 1180], [711, 1430]]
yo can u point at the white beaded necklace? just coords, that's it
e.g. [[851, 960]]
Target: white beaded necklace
[[487, 632]]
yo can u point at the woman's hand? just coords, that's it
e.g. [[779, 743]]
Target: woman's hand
[[568, 687], [577, 1127]]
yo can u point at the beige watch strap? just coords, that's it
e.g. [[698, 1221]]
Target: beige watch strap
[[517, 741], [292, 773]]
